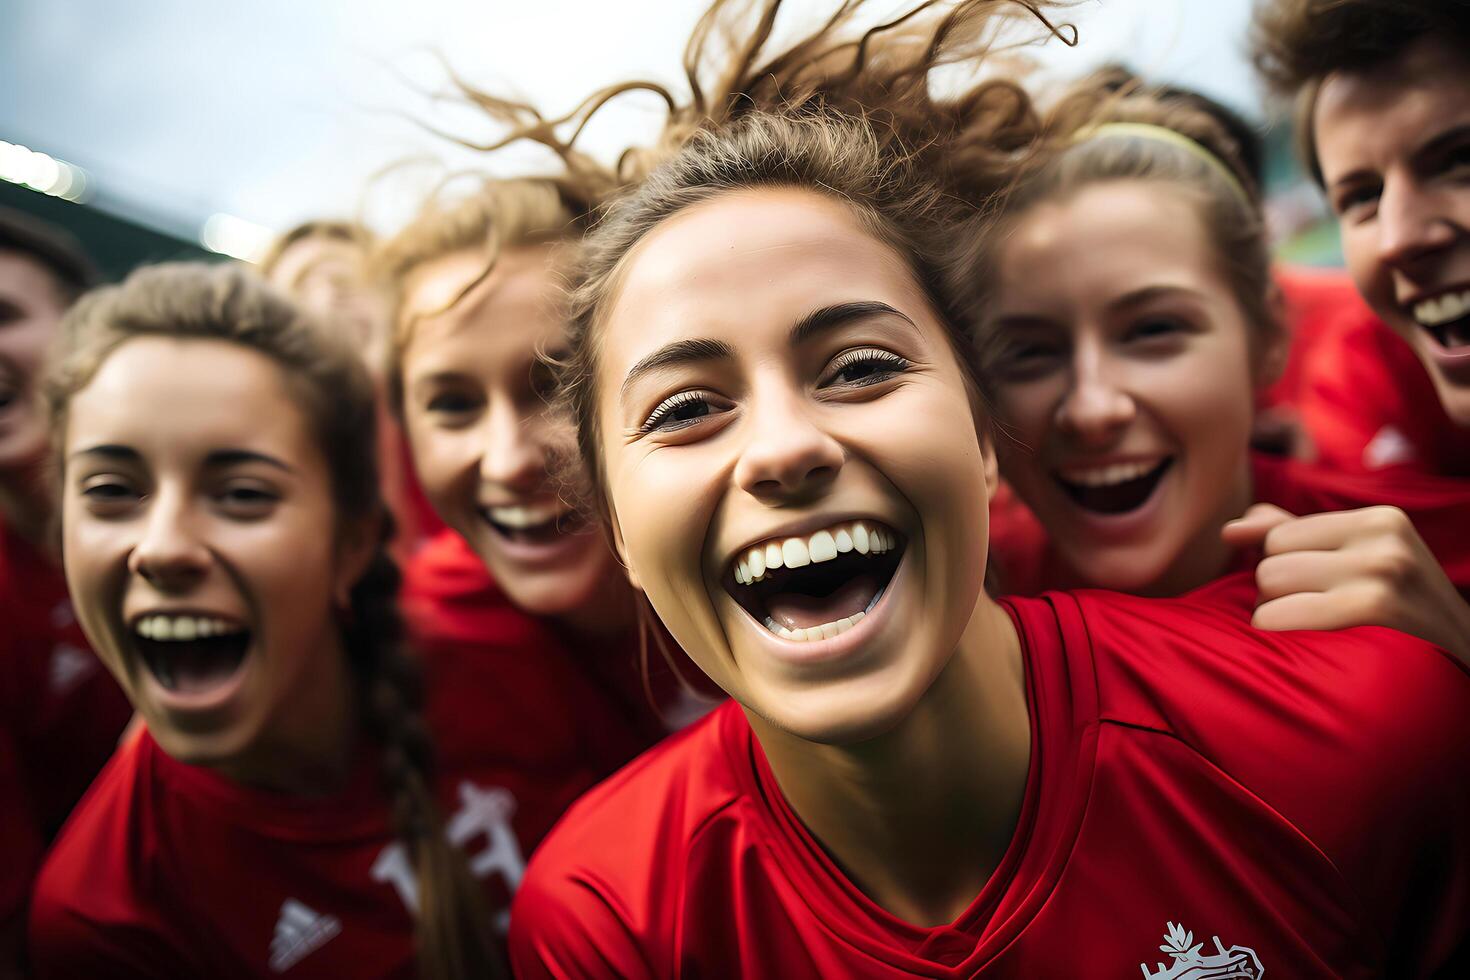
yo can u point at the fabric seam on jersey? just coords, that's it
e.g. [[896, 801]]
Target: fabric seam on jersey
[[1359, 908]]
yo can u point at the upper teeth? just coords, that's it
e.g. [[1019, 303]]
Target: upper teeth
[[824, 545], [1450, 306], [527, 515], [161, 627], [1106, 476]]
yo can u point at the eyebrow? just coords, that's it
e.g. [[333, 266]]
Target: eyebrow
[[1440, 142], [1138, 297], [811, 325], [678, 352], [216, 459]]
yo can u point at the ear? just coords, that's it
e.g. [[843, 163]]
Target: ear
[[356, 549], [992, 462], [621, 550], [1271, 359]]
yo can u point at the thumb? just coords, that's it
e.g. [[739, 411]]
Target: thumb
[[1250, 529]]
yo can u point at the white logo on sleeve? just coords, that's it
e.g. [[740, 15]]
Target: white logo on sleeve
[[1235, 963], [1389, 447], [69, 667], [299, 931]]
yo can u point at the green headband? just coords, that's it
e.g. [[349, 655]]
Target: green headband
[[1162, 134]]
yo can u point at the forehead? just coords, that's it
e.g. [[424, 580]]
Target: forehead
[[1379, 110], [312, 253], [505, 317], [1111, 237], [748, 259], [162, 394]]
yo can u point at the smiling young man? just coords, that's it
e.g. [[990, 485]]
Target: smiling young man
[[1383, 112]]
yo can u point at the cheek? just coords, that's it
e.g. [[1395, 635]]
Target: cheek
[[444, 460]]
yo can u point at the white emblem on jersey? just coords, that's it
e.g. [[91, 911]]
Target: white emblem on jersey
[[69, 665], [482, 813], [1235, 963], [299, 931], [62, 615], [1388, 448]]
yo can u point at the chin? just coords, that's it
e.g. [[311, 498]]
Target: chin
[[208, 749], [1456, 401], [1117, 571]]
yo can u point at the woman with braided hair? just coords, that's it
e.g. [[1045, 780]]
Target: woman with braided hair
[[225, 543]]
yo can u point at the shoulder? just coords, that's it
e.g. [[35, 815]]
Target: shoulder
[[626, 840], [1340, 731], [94, 901]]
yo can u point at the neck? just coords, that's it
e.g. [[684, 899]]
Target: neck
[[920, 816], [1207, 557], [612, 611], [25, 505], [309, 748]]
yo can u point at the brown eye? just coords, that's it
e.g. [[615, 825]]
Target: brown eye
[[864, 366], [678, 411]]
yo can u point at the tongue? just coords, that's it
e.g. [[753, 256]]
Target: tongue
[[197, 670], [1457, 334], [794, 610]]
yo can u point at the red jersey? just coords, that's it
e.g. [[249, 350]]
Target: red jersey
[[1368, 404], [450, 596], [1439, 508], [21, 842], [1317, 300], [171, 870], [1204, 800], [61, 704]]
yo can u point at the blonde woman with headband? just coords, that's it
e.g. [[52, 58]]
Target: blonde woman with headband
[[1126, 319]]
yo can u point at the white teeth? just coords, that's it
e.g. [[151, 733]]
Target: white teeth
[[1107, 476], [529, 515], [794, 552], [183, 628], [1449, 307], [774, 557], [824, 545], [823, 632]]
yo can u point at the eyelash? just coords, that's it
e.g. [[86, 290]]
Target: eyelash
[[868, 355], [669, 406]]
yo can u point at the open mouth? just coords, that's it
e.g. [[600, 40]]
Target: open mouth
[[190, 654], [1117, 489], [541, 523], [818, 586], [1446, 318]]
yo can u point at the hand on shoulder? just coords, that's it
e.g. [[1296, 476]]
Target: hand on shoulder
[[1365, 567]]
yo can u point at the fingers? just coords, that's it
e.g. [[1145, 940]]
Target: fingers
[[1337, 529], [1307, 611], [1251, 528], [1304, 571]]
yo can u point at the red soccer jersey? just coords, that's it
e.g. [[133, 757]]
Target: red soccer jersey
[[63, 707], [169, 870], [20, 840], [1368, 404], [1202, 796], [1317, 300], [450, 596], [1439, 508]]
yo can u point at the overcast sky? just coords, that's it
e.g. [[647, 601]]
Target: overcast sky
[[279, 110]]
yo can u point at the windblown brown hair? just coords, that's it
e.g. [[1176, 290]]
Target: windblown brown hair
[[331, 387], [734, 66], [1296, 44]]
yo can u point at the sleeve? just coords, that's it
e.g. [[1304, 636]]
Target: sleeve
[[565, 927]]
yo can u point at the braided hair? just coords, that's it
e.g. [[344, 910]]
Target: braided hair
[[332, 388]]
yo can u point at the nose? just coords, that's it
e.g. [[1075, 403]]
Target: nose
[[1411, 225], [170, 555], [1096, 408], [786, 453], [514, 454]]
